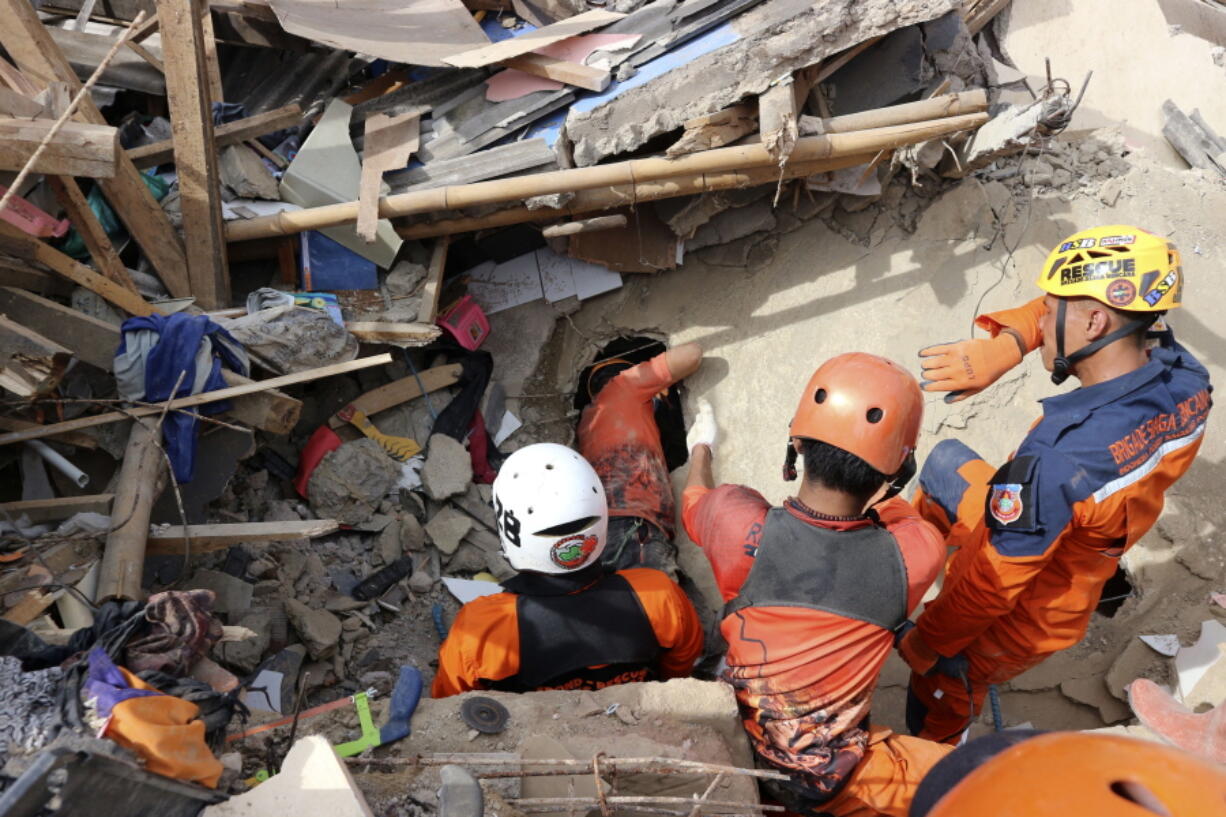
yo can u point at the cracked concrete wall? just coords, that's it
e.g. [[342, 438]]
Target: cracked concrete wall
[[775, 39]]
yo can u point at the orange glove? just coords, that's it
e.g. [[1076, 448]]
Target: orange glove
[[968, 366]]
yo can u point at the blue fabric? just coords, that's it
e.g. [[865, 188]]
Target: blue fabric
[[106, 684], [179, 341], [940, 478]]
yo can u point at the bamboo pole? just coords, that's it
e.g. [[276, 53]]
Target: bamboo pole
[[630, 172], [587, 201], [959, 104], [141, 478], [590, 225]]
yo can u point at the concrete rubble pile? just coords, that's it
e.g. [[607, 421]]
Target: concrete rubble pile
[[278, 279]]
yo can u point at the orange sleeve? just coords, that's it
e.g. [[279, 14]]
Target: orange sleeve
[[921, 545], [672, 617], [483, 644], [1026, 320], [647, 378], [689, 508]]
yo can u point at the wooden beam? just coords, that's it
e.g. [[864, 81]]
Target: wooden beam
[[176, 540], [36, 54], [197, 399], [32, 605], [191, 119], [94, 342], [77, 438], [212, 67], [70, 197], [411, 334], [434, 281], [777, 113], [402, 391], [390, 141], [15, 104], [142, 476], [571, 73], [78, 149], [55, 510], [716, 130], [231, 133], [19, 274], [16, 243]]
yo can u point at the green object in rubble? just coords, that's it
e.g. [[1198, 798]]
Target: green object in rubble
[[73, 245]]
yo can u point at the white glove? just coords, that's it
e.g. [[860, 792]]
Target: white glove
[[703, 431]]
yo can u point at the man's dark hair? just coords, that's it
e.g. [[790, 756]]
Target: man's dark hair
[[600, 378], [1140, 334], [840, 470]]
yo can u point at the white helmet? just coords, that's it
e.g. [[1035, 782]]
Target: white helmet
[[551, 510]]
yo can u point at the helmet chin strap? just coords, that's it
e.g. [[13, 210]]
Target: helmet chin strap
[[1062, 366]]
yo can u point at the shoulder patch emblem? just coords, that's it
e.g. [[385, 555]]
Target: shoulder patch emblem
[[1005, 503]]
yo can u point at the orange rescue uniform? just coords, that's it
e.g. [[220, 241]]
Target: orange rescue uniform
[[804, 677], [1038, 538], [637, 624]]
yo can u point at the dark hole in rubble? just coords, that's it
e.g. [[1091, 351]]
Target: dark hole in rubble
[[636, 349], [1116, 591]]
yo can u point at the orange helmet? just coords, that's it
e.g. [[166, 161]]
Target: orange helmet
[[865, 405], [1077, 773]]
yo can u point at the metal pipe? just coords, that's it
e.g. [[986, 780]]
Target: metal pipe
[[57, 461]]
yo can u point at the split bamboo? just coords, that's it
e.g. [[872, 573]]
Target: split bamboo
[[634, 171], [141, 478]]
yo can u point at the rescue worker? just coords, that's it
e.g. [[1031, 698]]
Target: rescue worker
[[564, 622], [815, 589], [1037, 538], [1021, 773], [618, 435]]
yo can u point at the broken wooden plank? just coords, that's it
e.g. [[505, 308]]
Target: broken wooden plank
[[142, 475], [77, 438], [777, 112], [15, 104], [402, 391], [541, 37], [571, 73], [21, 275], [434, 282], [32, 364], [94, 342], [408, 334], [716, 130], [590, 225], [57, 509], [231, 133], [191, 119], [16, 243], [31, 47], [197, 399], [101, 250], [32, 605], [77, 149], [390, 141], [175, 539]]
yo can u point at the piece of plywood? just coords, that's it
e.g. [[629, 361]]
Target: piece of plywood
[[390, 141], [506, 49], [197, 399], [191, 119], [41, 61], [231, 133], [175, 539], [417, 32], [77, 149]]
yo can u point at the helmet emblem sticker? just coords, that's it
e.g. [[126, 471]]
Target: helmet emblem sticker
[[1160, 289], [1005, 503], [1082, 244], [573, 551], [1121, 293], [1117, 240]]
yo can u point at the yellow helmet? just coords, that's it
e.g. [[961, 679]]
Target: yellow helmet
[[1121, 266]]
